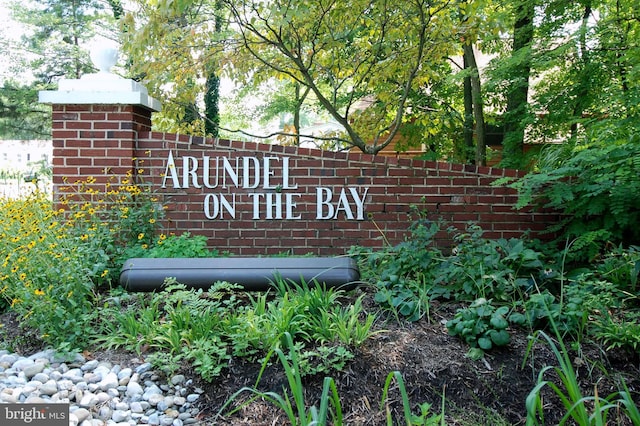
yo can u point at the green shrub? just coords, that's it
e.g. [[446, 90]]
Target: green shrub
[[48, 271], [580, 409], [177, 325], [293, 404], [172, 246], [483, 268], [621, 267], [208, 328], [570, 314], [409, 275], [403, 274], [481, 325], [57, 260], [596, 188]]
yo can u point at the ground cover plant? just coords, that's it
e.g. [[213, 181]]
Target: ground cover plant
[[498, 331]]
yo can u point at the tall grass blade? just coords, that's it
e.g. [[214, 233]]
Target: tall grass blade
[[406, 404], [329, 385]]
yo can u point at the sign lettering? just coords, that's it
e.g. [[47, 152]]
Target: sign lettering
[[277, 200]]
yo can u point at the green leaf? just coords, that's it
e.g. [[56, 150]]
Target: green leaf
[[475, 354], [485, 343], [498, 322], [500, 338], [517, 318]]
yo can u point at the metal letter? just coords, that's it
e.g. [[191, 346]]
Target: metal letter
[[285, 175], [211, 200], [323, 201], [190, 168], [171, 169], [256, 172], [359, 202], [206, 172], [268, 172], [256, 204], [344, 202], [233, 174], [291, 205], [273, 201]]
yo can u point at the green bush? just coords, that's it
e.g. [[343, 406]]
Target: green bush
[[499, 269], [172, 246], [403, 274], [48, 272], [596, 188], [208, 328], [409, 275], [57, 260], [481, 325], [621, 267]]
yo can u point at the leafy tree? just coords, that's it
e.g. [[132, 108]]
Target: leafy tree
[[360, 60], [172, 49], [596, 188], [21, 116], [476, 102], [516, 113], [591, 102], [58, 31], [53, 47]]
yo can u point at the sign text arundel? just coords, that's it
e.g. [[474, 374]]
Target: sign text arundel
[[266, 182]]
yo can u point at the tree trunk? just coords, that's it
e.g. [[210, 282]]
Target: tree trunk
[[467, 153], [211, 109], [296, 115], [476, 97], [583, 92], [515, 117], [212, 88]]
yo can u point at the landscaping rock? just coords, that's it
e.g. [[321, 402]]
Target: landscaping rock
[[98, 393]]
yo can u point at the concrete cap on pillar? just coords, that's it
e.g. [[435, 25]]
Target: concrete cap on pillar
[[102, 87]]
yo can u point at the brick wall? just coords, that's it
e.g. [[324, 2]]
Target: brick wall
[[266, 199]]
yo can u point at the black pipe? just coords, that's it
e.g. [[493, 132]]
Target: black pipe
[[252, 273]]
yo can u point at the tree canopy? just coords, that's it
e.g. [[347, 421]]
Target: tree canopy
[[387, 72], [56, 34]]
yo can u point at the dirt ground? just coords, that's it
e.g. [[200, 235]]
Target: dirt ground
[[490, 391]]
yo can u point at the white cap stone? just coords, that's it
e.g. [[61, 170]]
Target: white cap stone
[[102, 87]]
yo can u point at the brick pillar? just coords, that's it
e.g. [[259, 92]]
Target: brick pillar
[[95, 141], [96, 120]]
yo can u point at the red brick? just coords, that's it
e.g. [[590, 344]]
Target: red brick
[[106, 125], [92, 116], [455, 192]]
